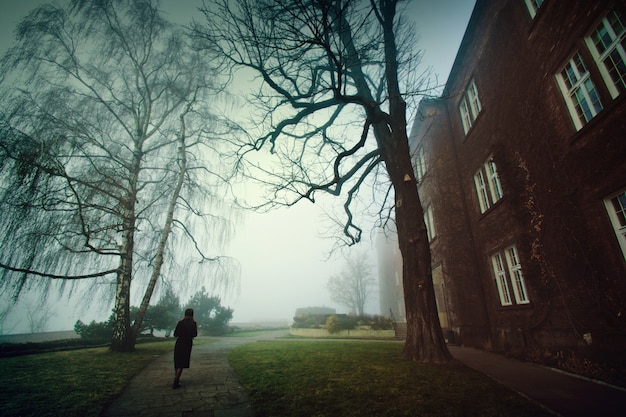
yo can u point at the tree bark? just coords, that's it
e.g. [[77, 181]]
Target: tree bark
[[122, 341], [165, 233], [424, 341]]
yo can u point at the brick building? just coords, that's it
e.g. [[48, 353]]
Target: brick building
[[522, 174]]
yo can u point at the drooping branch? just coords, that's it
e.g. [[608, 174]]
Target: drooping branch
[[56, 276]]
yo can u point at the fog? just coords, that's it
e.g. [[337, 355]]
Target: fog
[[284, 255]]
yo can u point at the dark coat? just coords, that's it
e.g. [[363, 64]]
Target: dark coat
[[185, 331]]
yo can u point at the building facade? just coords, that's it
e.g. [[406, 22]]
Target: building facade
[[521, 166]]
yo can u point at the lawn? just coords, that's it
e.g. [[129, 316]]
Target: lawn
[[70, 383], [283, 378], [333, 378]]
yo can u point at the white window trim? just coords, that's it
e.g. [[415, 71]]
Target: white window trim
[[494, 181], [481, 191], [470, 106], [508, 272], [420, 164], [488, 187], [516, 275], [579, 85], [600, 58], [429, 220], [472, 95], [466, 118], [620, 231], [501, 281], [532, 7]]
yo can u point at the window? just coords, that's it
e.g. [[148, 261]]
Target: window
[[533, 6], [420, 164], [430, 223], [487, 183], [469, 106], [616, 208], [501, 281], [581, 96], [515, 273], [606, 44], [508, 275]]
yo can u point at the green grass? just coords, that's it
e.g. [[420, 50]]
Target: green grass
[[317, 379], [70, 383], [253, 332]]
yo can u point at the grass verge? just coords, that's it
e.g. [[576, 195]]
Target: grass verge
[[324, 379], [70, 383]]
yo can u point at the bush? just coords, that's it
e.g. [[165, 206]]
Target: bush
[[94, 331], [309, 321], [332, 324], [335, 323], [344, 322], [376, 322]]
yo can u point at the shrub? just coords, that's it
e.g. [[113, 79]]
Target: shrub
[[379, 323], [332, 324], [94, 331], [309, 321], [336, 323]]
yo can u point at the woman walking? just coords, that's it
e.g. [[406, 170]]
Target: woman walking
[[186, 330]]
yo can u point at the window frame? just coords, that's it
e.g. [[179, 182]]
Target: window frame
[[469, 106], [487, 185], [481, 191], [420, 164], [502, 284], [495, 187], [509, 277], [617, 41], [429, 220], [533, 7], [574, 82], [516, 275], [614, 216]]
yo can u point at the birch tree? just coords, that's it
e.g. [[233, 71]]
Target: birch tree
[[107, 141], [331, 109]]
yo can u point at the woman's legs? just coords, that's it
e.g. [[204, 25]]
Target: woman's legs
[[179, 372]]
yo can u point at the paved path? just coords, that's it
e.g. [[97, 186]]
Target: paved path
[[559, 392], [210, 386]]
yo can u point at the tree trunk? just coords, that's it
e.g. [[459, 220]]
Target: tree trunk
[[167, 228], [122, 340], [424, 341]]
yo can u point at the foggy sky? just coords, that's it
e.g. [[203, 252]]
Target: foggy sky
[[283, 258]]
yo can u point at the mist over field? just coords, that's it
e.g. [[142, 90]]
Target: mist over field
[[284, 255]]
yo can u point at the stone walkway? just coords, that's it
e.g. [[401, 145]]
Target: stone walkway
[[210, 387]]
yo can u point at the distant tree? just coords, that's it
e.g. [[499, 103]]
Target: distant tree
[[211, 316], [162, 316], [353, 285], [166, 313], [147, 322], [99, 331], [4, 313], [106, 144], [38, 316]]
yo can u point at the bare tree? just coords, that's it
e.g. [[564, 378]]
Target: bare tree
[[332, 108], [107, 146], [4, 313], [38, 316], [353, 285]]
